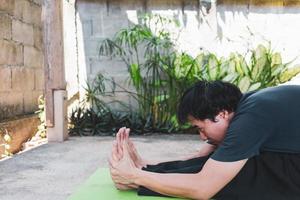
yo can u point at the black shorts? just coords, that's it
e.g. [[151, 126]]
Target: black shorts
[[269, 176]]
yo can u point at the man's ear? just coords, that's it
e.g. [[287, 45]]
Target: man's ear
[[224, 114]]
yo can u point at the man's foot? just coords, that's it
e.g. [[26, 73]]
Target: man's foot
[[118, 153], [135, 156], [116, 156], [123, 134]]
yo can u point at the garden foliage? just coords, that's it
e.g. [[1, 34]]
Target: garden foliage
[[160, 74]]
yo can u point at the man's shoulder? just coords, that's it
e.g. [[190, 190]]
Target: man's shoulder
[[267, 99]]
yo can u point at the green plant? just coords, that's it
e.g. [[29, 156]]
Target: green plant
[[42, 116], [95, 117], [265, 69], [160, 74], [7, 140], [146, 52]]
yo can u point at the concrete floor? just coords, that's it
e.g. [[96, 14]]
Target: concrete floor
[[55, 170]]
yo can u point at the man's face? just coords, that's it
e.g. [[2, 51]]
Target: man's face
[[213, 131]]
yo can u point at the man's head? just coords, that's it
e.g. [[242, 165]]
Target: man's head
[[209, 105]]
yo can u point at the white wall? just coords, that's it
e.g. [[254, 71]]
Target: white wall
[[223, 29]]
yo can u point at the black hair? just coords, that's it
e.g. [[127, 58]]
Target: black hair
[[205, 99]]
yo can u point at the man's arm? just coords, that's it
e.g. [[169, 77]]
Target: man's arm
[[123, 134], [205, 150], [203, 185]]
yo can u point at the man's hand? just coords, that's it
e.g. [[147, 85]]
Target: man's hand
[[117, 155], [124, 170], [123, 135]]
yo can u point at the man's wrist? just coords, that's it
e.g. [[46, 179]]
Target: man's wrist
[[138, 177]]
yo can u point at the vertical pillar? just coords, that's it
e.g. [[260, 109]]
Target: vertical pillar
[[59, 131], [55, 83]]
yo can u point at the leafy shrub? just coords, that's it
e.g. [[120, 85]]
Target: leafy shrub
[[42, 116], [6, 138], [160, 74]]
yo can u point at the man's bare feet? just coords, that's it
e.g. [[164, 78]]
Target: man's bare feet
[[122, 135], [116, 156], [122, 170]]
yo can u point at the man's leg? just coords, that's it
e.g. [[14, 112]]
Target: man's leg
[[270, 175], [165, 167], [187, 166]]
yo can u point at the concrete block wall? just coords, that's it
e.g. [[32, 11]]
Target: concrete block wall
[[21, 57], [96, 22], [221, 26]]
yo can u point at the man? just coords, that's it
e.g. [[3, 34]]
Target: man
[[257, 155]]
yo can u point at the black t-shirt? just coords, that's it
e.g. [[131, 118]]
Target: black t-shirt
[[266, 120]]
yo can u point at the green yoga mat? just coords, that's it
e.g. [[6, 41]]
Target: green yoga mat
[[99, 186]]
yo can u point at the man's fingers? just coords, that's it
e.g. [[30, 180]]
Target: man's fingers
[[132, 147], [119, 135], [124, 135], [112, 163], [123, 138], [114, 153], [118, 153], [120, 140], [114, 156], [127, 131], [126, 149]]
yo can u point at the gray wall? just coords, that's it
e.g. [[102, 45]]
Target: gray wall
[[21, 57]]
